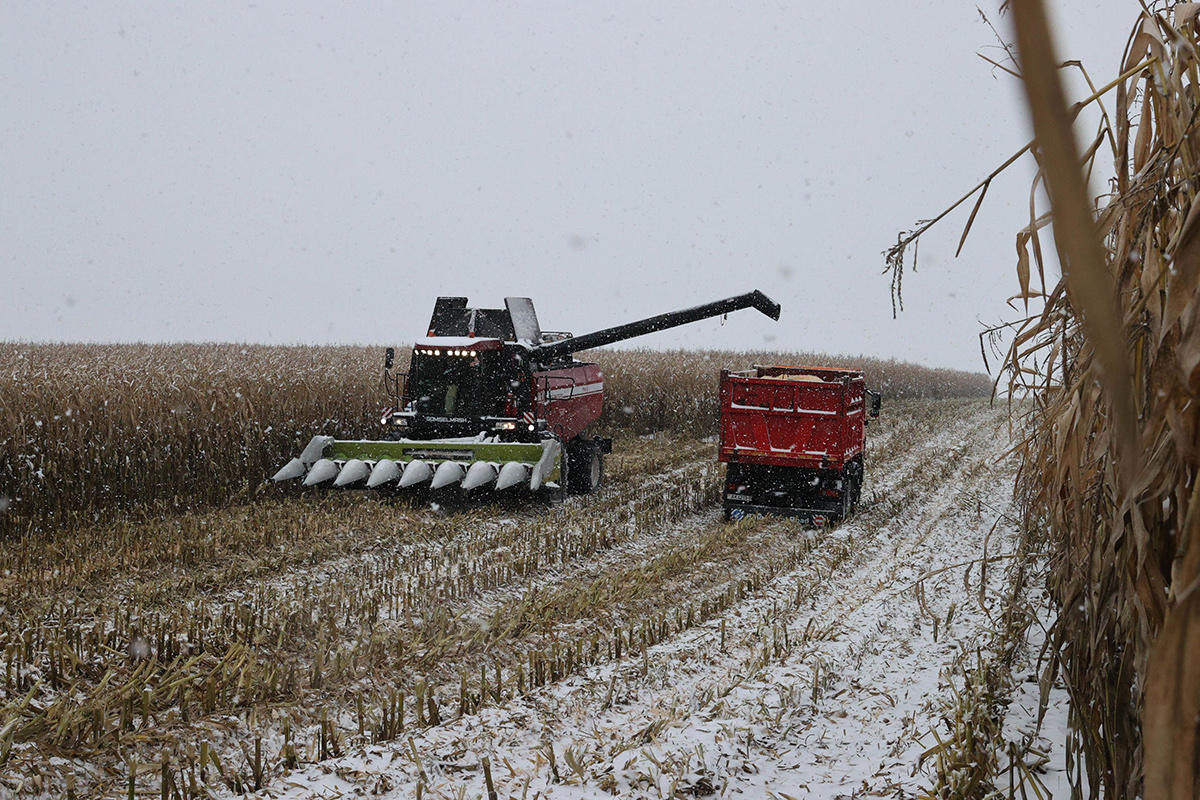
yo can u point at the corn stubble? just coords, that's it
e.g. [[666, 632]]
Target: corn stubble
[[175, 652], [1111, 469], [190, 672]]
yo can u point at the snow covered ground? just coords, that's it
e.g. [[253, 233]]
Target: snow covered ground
[[829, 681], [758, 659]]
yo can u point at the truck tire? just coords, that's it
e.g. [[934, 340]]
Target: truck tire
[[846, 504], [585, 466], [854, 487]]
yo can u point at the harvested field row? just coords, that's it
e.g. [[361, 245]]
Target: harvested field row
[[334, 636], [824, 678]]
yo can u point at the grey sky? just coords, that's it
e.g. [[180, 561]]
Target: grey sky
[[316, 172]]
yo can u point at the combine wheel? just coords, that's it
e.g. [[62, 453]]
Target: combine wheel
[[585, 466]]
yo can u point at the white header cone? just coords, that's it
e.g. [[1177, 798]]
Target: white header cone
[[354, 471], [321, 471], [448, 473], [513, 473], [385, 471], [416, 472], [293, 469], [481, 473]]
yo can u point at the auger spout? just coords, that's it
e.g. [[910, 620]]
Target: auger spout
[[662, 322]]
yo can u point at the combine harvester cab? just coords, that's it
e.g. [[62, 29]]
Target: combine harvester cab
[[793, 439], [490, 403]]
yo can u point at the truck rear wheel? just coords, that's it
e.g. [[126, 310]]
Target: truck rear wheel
[[854, 482], [846, 504]]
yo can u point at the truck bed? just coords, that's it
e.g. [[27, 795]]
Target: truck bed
[[792, 416]]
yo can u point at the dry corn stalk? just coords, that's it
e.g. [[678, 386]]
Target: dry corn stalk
[[89, 430], [1112, 466]]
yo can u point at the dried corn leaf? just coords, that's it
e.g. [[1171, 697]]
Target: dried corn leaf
[[1172, 704]]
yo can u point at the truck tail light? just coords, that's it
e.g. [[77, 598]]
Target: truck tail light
[[830, 493]]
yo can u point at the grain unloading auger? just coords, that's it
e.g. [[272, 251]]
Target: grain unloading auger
[[491, 402]]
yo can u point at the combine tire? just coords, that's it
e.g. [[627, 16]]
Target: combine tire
[[585, 466]]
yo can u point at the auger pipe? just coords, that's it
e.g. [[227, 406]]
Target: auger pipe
[[629, 330]]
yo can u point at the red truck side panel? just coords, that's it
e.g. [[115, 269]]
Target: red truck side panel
[[768, 416]]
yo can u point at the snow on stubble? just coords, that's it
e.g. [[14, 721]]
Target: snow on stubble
[[849, 707]]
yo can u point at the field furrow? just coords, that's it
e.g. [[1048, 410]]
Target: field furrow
[[269, 646], [822, 645]]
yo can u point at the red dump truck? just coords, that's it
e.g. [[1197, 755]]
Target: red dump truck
[[792, 438]]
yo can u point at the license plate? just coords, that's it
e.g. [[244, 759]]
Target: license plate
[[745, 498]]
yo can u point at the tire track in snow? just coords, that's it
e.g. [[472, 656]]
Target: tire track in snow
[[843, 708]]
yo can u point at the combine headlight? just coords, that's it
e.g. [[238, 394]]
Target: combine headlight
[[400, 421], [506, 426], [531, 427]]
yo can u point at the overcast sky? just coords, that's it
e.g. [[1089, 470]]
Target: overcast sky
[[313, 172]]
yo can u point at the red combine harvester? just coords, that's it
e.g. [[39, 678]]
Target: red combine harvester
[[490, 402], [793, 441]]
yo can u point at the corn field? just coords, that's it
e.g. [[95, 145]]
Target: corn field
[[88, 431], [173, 625], [1110, 351]]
